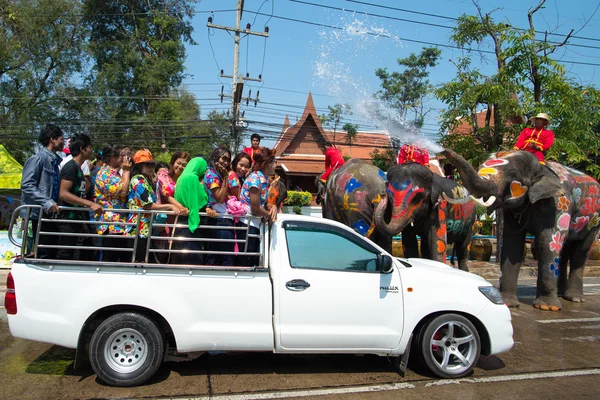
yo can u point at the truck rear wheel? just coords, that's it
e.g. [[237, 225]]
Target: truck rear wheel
[[449, 345], [126, 349]]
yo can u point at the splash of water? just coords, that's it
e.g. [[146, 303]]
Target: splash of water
[[337, 51]]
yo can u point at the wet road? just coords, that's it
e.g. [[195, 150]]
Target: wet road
[[556, 355]]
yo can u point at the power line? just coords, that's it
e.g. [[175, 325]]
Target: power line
[[412, 40], [419, 22], [456, 19]]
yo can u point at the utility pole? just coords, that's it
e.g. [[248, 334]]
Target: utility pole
[[237, 84]]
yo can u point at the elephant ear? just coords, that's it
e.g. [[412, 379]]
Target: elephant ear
[[548, 186]]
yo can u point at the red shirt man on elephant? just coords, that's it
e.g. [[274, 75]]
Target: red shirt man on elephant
[[333, 160], [411, 153], [536, 140]]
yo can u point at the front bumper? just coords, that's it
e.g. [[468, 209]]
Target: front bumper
[[497, 321]]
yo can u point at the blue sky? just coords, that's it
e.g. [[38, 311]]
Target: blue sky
[[338, 65]]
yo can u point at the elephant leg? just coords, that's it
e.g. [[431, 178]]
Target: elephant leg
[[578, 258], [462, 250], [426, 247], [409, 241], [548, 250], [511, 256]]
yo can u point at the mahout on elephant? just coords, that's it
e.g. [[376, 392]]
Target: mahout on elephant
[[351, 194], [418, 198], [560, 206]]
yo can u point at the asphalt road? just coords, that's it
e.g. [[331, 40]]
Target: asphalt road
[[556, 356]]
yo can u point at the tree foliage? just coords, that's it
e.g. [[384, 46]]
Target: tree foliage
[[383, 159], [527, 81], [406, 91], [42, 50], [334, 118]]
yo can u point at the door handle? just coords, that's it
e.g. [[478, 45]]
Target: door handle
[[297, 285]]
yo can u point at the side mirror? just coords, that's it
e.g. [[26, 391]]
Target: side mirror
[[386, 263]]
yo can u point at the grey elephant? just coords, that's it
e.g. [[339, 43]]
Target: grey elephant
[[419, 207], [560, 206], [351, 194]]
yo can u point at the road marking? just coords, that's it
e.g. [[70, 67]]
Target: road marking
[[584, 339], [520, 377], [567, 320], [307, 393], [397, 386]]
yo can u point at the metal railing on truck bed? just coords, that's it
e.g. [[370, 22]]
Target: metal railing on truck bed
[[164, 241]]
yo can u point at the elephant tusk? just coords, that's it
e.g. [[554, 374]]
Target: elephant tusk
[[479, 201], [451, 200]]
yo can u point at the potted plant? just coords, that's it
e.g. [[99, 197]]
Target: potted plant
[[297, 200], [480, 249]]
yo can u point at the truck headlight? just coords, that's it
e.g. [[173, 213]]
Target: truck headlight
[[492, 294]]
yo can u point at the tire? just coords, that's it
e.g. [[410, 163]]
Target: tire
[[449, 346], [126, 349]]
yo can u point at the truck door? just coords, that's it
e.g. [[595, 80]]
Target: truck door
[[330, 293]]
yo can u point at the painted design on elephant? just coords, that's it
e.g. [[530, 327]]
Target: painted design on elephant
[[560, 170], [554, 267], [348, 206], [594, 221], [403, 194], [517, 189], [361, 199], [563, 221], [495, 162], [459, 192], [361, 227], [383, 175], [588, 206], [487, 171], [352, 185], [377, 199], [563, 203], [584, 179], [576, 196], [593, 190], [441, 231], [580, 223], [342, 181], [557, 241]]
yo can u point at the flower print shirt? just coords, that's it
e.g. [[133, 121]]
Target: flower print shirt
[[108, 184], [140, 195], [213, 181], [165, 186], [258, 180], [233, 180]]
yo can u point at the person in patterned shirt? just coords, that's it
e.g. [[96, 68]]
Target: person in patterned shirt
[[219, 188], [142, 197], [110, 192], [254, 197]]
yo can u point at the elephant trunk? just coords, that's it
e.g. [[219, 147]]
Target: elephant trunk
[[397, 223], [474, 183]]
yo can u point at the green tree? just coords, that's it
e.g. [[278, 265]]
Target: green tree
[[138, 48], [351, 131], [42, 52], [383, 159], [406, 91], [527, 81], [334, 117]]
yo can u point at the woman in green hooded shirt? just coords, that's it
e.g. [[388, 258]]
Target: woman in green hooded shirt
[[191, 194]]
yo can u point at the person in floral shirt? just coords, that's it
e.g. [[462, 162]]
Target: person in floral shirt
[[110, 192], [216, 181], [168, 179], [142, 197], [254, 196]]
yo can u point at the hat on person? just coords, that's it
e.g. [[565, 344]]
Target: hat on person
[[542, 116], [143, 156]]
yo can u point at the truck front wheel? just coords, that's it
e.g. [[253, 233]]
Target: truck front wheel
[[449, 345], [126, 349]]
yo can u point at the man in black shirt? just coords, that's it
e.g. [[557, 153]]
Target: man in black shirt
[[73, 194]]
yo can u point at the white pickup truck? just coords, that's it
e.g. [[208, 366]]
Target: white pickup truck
[[319, 288]]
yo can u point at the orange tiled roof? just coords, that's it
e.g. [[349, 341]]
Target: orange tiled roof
[[301, 146]]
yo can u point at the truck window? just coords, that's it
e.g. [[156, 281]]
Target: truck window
[[318, 248]]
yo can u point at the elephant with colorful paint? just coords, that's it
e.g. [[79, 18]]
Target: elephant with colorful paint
[[560, 206]]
